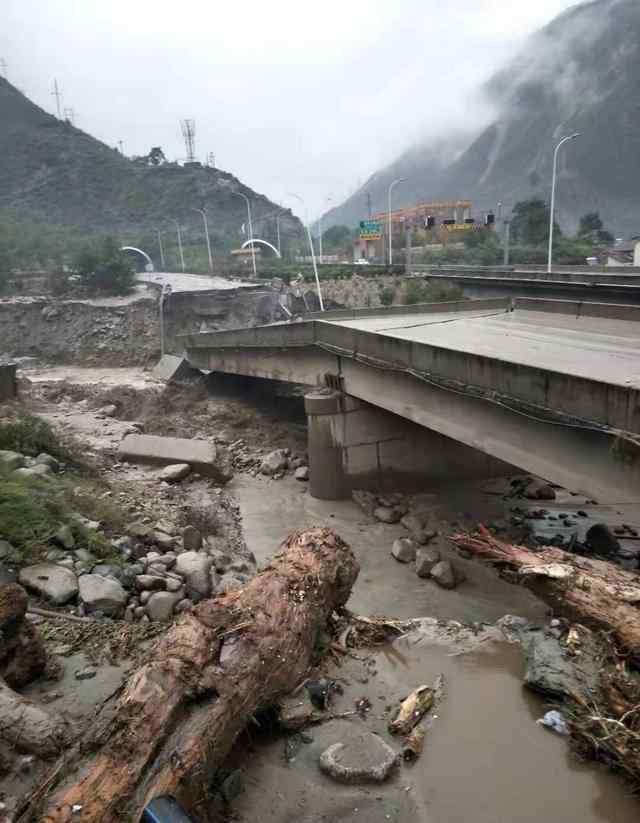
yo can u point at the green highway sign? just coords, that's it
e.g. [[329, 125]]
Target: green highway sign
[[370, 230]]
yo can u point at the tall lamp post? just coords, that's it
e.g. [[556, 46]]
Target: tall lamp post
[[391, 188], [313, 254], [206, 234], [253, 249], [162, 263], [320, 233], [180, 244], [553, 193]]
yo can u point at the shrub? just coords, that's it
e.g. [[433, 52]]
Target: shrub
[[387, 296], [104, 268]]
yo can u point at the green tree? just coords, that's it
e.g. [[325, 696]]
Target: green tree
[[530, 222], [337, 237], [592, 228], [156, 156], [103, 267]]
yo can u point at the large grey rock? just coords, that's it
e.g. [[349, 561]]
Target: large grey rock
[[404, 550], [64, 537], [41, 470], [444, 574], [44, 459], [195, 567], [302, 473], [539, 490], [221, 560], [602, 540], [6, 549], [161, 605], [10, 460], [549, 669], [53, 582], [387, 514], [191, 539], [363, 758], [426, 559], [175, 472], [149, 582], [275, 462], [164, 541], [107, 570], [102, 594]]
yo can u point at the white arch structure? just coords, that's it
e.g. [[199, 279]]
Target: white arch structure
[[262, 243], [149, 262]]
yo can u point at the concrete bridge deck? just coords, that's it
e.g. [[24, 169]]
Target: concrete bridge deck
[[549, 386]]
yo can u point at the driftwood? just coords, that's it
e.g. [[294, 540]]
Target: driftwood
[[209, 674], [596, 592]]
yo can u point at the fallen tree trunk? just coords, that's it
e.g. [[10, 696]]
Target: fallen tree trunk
[[214, 669], [596, 592], [29, 727]]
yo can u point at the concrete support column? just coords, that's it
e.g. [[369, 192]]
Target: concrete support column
[[355, 445], [327, 480]]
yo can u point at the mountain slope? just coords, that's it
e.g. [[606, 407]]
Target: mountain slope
[[56, 173], [580, 73]]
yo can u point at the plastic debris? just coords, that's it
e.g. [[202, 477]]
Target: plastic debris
[[555, 721]]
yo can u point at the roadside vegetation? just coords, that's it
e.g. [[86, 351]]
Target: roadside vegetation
[[33, 509]]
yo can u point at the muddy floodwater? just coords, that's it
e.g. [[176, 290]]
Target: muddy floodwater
[[485, 759]]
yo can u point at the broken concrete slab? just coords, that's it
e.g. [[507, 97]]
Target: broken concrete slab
[[201, 455], [172, 369]]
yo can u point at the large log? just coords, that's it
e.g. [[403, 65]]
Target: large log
[[596, 592], [214, 669]]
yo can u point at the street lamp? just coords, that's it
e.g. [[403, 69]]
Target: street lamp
[[162, 263], [253, 250], [206, 234], [313, 254], [391, 188], [180, 244], [553, 193], [328, 200]]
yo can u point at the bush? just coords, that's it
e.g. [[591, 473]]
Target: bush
[[387, 296], [25, 433], [104, 268], [417, 291]]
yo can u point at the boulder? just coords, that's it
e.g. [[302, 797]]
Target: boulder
[[174, 472], [64, 537], [108, 411], [161, 605], [6, 549], [275, 462], [404, 550], [139, 531], [191, 539], [102, 594], [302, 473], [444, 575], [52, 582], [195, 568], [539, 490], [426, 559], [41, 470], [601, 540], [107, 570], [148, 582], [10, 460], [363, 758], [387, 514], [221, 560], [44, 459], [163, 540], [229, 583]]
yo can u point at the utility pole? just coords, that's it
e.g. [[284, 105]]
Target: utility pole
[[180, 244], [253, 248], [206, 234], [369, 204], [121, 147], [3, 67], [162, 263], [507, 239], [58, 95], [393, 184], [278, 234], [553, 195]]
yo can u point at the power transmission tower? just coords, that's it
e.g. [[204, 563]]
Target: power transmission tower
[[189, 134], [3, 67], [69, 115], [58, 95]]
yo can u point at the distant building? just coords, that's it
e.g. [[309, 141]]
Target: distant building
[[439, 222], [624, 254]]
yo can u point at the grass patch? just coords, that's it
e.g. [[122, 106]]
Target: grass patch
[[21, 431]]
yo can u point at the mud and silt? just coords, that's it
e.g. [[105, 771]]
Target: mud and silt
[[485, 758]]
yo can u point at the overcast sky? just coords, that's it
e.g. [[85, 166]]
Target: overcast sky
[[290, 96]]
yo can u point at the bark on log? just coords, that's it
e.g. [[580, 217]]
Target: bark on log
[[29, 727], [214, 669], [596, 592]]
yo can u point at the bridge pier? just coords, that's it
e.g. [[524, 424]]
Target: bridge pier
[[355, 445]]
